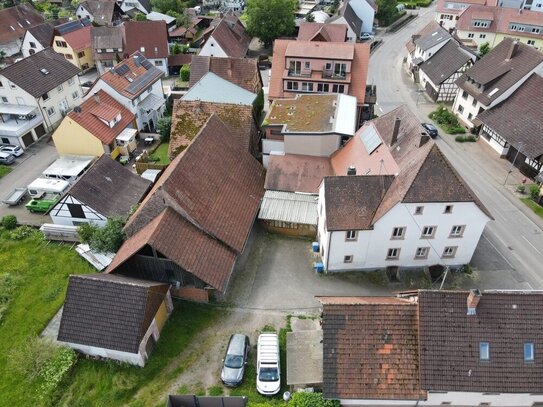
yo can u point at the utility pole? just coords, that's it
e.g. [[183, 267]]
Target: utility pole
[[513, 163]]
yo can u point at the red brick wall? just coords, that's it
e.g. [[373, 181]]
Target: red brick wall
[[192, 294]]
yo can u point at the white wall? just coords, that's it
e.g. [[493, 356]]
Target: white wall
[[447, 23], [369, 251], [130, 4], [212, 49], [82, 12], [162, 64], [351, 35], [537, 5], [365, 12], [478, 37], [25, 47], [60, 214]]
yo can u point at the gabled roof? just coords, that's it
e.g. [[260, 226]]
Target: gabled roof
[[503, 67], [14, 21], [370, 348], [443, 6], [322, 32], [188, 117], [41, 72], [231, 36], [43, 33], [101, 11], [132, 76], [428, 28], [72, 26], [525, 134], [446, 62], [436, 36], [213, 88], [354, 21], [106, 37], [351, 200], [76, 33], [110, 188], [109, 311], [91, 112], [146, 4], [152, 36], [156, 16], [506, 320], [243, 72]]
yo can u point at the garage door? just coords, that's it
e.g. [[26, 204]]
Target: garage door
[[27, 139], [40, 130]]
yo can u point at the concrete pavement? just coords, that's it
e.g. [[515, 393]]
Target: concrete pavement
[[514, 239]]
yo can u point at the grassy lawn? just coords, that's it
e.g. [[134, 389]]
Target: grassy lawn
[[4, 170], [39, 274], [538, 210], [96, 383], [160, 155]]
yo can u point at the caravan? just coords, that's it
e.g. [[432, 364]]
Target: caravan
[[41, 186], [268, 369]]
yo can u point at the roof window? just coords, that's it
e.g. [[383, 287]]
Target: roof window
[[44, 71], [484, 351], [528, 352]]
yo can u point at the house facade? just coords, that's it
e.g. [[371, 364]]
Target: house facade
[[483, 86], [228, 39], [448, 11], [132, 7], [36, 93], [107, 47], [14, 21], [150, 39], [72, 40], [37, 38], [358, 15], [114, 317], [136, 84], [101, 13]]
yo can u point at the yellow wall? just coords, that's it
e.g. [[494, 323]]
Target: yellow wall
[[161, 316], [499, 37], [71, 138], [79, 62], [87, 59]]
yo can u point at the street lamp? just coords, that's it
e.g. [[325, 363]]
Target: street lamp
[[513, 163]]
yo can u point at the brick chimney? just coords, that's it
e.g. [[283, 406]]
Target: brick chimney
[[96, 97], [474, 297], [424, 138], [351, 170], [512, 49], [396, 131]]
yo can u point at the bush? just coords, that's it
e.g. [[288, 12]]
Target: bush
[[303, 399], [86, 232], [56, 370], [9, 222], [463, 139], [184, 73], [22, 232], [31, 356], [534, 192], [447, 121], [164, 127], [110, 237], [8, 284]]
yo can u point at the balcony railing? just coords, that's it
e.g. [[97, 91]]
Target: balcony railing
[[292, 72], [334, 75], [371, 94], [14, 124]]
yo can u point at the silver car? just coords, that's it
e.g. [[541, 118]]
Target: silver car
[[6, 158], [16, 151], [235, 360]]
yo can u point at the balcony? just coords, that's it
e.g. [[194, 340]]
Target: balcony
[[370, 96], [17, 120], [298, 74]]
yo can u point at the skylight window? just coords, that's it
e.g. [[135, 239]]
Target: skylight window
[[44, 71], [528, 352], [494, 91], [484, 351]]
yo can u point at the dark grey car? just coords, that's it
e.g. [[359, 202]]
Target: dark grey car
[[431, 129], [235, 360]]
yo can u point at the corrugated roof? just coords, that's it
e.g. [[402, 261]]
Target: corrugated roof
[[289, 207]]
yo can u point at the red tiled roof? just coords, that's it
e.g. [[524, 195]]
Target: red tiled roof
[[370, 348], [21, 17], [231, 36], [107, 109], [79, 39], [322, 32], [296, 173], [151, 35]]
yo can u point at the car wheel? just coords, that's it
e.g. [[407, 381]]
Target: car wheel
[[31, 210]]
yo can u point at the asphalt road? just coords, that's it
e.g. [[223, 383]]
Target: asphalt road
[[510, 252]]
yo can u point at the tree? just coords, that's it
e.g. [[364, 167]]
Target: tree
[[309, 17], [110, 237], [484, 49], [140, 17], [164, 126], [270, 19], [387, 12], [184, 73], [166, 5]]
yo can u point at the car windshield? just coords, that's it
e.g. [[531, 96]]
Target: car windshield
[[233, 361], [268, 374]]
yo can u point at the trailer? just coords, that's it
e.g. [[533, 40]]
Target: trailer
[[16, 197]]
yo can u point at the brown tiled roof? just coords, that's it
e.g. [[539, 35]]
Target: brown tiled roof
[[109, 311], [188, 118], [101, 11], [180, 59], [27, 73], [370, 348], [21, 17], [359, 71], [296, 173], [428, 28], [322, 32], [449, 341], [43, 33], [525, 134], [152, 35], [217, 189], [351, 201], [107, 109], [441, 5], [104, 38], [143, 77], [110, 188], [231, 36], [446, 62], [498, 73], [185, 244], [243, 72]]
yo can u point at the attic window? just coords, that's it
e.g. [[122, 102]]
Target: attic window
[[528, 352], [44, 71], [484, 351]]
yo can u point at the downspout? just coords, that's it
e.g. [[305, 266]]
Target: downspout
[[328, 252]]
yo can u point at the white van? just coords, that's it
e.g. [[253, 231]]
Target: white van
[[268, 368], [42, 186]]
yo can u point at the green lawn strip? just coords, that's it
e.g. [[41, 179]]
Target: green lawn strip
[[41, 276], [98, 383], [160, 155], [537, 209], [4, 170]]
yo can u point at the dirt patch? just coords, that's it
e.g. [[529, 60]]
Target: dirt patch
[[207, 350]]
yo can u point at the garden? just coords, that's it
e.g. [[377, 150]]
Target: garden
[[533, 201], [450, 124]]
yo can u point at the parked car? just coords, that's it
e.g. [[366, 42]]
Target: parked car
[[430, 129], [6, 158], [43, 204], [16, 151], [264, 62], [367, 36], [235, 360], [268, 369]]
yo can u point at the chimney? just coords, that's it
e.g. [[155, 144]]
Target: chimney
[[96, 97], [351, 170], [473, 299], [137, 61], [395, 131], [512, 49], [424, 138]]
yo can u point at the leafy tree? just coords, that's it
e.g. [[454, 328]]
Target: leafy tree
[[86, 232], [484, 49], [182, 20], [303, 399], [110, 237], [164, 127], [184, 73], [9, 222], [309, 17], [270, 19], [176, 48], [166, 5], [387, 12], [140, 17]]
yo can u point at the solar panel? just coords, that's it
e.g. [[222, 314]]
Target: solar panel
[[141, 82], [146, 64], [72, 26], [121, 70], [371, 139]]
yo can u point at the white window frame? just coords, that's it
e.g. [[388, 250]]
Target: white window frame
[[428, 232], [393, 253], [351, 235]]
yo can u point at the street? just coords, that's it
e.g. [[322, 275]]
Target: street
[[513, 242]]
